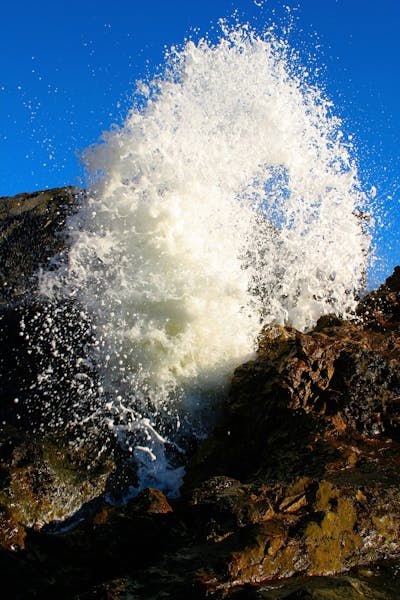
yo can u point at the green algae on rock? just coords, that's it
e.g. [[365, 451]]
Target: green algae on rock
[[311, 428], [44, 479]]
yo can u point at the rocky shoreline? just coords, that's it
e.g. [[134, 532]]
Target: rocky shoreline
[[294, 495]]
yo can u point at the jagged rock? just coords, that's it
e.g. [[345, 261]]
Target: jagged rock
[[307, 453], [301, 478], [12, 533], [32, 232], [102, 546], [48, 471], [299, 481], [151, 501], [304, 391]]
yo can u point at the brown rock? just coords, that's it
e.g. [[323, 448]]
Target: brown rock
[[309, 451], [150, 501], [44, 480], [12, 534], [380, 309]]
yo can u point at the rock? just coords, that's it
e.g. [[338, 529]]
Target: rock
[[94, 556], [36, 336], [294, 495], [46, 379], [301, 475], [31, 233], [151, 501], [12, 533], [50, 463], [46, 479], [380, 310], [304, 391], [299, 481], [378, 584]]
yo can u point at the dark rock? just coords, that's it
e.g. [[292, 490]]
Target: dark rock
[[31, 233], [85, 561], [151, 501], [36, 336], [380, 310], [12, 533], [380, 583], [304, 391], [311, 428]]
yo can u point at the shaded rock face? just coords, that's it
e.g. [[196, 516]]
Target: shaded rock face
[[45, 380], [302, 474], [380, 310], [31, 233], [46, 472], [303, 393], [300, 480]]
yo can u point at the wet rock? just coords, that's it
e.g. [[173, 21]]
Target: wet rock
[[12, 533], [299, 481], [31, 233], [54, 459], [380, 583], [46, 479], [380, 310], [94, 559], [263, 533], [37, 338], [151, 501], [288, 408], [301, 475]]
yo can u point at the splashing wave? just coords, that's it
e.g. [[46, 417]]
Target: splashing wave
[[227, 200]]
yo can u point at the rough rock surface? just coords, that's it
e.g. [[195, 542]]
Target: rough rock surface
[[31, 226], [311, 430], [294, 495], [32, 232], [44, 475], [43, 479]]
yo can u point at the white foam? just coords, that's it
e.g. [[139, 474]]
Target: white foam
[[174, 257]]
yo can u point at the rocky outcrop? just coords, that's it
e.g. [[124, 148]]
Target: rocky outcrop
[[32, 232], [380, 310], [45, 474], [294, 495], [306, 459], [299, 482]]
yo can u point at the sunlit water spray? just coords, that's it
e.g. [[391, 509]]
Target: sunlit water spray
[[226, 201]]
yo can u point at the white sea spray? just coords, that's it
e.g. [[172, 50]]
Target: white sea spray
[[228, 200]]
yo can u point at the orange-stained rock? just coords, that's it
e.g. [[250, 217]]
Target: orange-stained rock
[[12, 534], [150, 501]]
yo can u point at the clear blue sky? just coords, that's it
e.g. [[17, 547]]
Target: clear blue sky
[[68, 69]]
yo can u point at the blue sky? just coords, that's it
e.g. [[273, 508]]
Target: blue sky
[[68, 71]]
